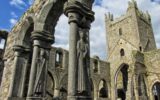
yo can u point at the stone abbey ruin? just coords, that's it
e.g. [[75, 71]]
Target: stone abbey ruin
[[32, 69]]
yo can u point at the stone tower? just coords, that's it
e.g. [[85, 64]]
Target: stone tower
[[134, 27], [130, 32]]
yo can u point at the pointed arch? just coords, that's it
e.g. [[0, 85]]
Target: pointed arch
[[103, 89], [120, 92], [156, 90]]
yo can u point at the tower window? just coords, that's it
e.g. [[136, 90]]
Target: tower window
[[122, 53], [59, 58], [95, 66], [120, 31], [140, 48]]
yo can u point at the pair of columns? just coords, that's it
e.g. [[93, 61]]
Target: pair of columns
[[80, 17], [38, 74], [37, 81], [19, 72]]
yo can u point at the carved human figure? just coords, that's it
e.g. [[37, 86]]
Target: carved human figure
[[39, 83], [82, 50]]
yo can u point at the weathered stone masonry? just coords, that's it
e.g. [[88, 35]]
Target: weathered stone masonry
[[34, 70]]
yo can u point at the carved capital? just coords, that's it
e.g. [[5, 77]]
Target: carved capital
[[85, 23], [79, 7], [43, 36], [87, 3], [73, 17], [19, 50]]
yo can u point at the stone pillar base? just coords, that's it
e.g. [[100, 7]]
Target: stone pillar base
[[16, 98], [79, 98], [35, 98]]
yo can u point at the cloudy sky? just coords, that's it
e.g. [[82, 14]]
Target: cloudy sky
[[11, 10]]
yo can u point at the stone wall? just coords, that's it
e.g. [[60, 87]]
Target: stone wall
[[1, 65], [152, 62], [58, 67], [9, 53]]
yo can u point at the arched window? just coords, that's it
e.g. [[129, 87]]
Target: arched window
[[122, 53], [59, 58], [95, 68]]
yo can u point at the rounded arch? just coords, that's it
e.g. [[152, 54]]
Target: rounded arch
[[123, 71], [24, 35], [48, 16]]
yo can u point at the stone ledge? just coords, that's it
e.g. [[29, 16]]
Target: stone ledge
[[16, 98]]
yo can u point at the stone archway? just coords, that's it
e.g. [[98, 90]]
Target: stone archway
[[121, 82], [103, 89], [42, 37], [22, 59], [156, 91]]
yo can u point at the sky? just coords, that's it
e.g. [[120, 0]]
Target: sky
[[12, 10]]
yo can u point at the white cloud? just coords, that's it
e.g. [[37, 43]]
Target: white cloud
[[30, 2], [62, 33], [2, 42], [13, 14], [98, 31], [18, 3], [13, 21]]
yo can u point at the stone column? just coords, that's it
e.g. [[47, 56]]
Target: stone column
[[136, 86], [80, 16], [41, 45], [17, 53], [18, 75], [73, 21], [129, 86]]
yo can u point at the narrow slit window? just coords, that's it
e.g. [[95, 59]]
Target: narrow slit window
[[122, 53], [120, 31]]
